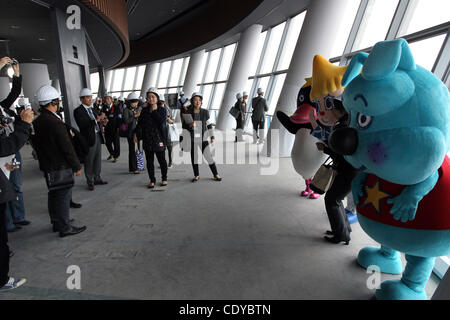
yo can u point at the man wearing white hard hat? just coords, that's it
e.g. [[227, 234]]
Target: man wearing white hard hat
[[89, 123], [112, 138], [259, 106], [56, 155], [240, 118]]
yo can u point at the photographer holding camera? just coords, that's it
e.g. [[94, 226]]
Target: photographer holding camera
[[9, 145], [15, 210]]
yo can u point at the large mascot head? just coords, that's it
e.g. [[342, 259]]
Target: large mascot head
[[400, 115]]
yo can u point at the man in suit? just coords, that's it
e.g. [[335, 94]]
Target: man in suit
[[259, 105], [55, 152], [113, 114], [88, 122]]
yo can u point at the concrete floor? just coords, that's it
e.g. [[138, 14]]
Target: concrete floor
[[249, 237]]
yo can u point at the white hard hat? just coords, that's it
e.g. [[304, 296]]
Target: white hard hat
[[161, 98], [260, 90], [239, 95], [154, 91], [46, 94], [121, 98], [181, 93], [86, 92], [197, 94], [245, 94], [108, 94], [133, 96]]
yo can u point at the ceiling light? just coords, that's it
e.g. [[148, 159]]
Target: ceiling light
[[41, 39], [37, 59], [15, 27]]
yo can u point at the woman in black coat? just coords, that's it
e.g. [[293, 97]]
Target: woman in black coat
[[151, 129], [199, 115]]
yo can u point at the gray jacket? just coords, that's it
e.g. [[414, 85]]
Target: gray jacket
[[128, 118], [259, 105]]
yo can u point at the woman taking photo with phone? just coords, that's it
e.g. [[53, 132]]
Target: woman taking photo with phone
[[130, 117]]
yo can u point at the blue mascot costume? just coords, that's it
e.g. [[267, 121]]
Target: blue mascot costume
[[399, 137]]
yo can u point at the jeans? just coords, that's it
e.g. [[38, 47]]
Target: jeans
[[4, 249], [15, 210], [59, 208]]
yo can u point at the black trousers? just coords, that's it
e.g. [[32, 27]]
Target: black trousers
[[132, 161], [239, 125], [113, 142], [4, 249], [161, 156], [206, 151], [170, 151], [342, 185], [59, 208], [258, 129]]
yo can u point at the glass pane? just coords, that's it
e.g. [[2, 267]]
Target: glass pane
[[425, 52], [172, 90], [164, 74], [118, 79], [140, 77], [213, 63], [226, 62], [129, 78], [95, 82], [220, 89], [344, 30], [291, 40], [263, 83], [279, 82], [375, 24], [259, 47], [206, 95], [176, 73], [183, 77], [272, 48], [426, 14]]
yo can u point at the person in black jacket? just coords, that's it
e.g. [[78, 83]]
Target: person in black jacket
[[9, 145], [89, 123], [55, 152], [240, 120], [112, 138], [259, 105], [151, 129], [196, 121]]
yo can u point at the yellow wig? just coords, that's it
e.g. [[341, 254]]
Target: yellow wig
[[326, 78]]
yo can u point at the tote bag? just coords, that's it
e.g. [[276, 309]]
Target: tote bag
[[324, 178]]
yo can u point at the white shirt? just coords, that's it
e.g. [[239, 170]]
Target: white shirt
[[89, 110]]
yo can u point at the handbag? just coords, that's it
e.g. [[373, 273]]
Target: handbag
[[235, 112], [140, 159], [324, 178], [174, 135], [59, 179], [123, 130]]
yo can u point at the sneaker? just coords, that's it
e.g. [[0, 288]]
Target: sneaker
[[115, 160], [109, 158], [13, 284]]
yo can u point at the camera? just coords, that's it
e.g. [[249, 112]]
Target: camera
[[5, 120], [14, 62], [15, 163]]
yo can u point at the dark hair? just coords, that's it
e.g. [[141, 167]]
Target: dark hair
[[339, 106]]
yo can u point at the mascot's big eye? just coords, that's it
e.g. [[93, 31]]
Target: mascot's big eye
[[301, 98], [329, 103], [364, 121]]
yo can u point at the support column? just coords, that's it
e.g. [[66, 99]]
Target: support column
[[240, 71], [102, 83], [108, 76], [193, 73], [151, 72], [4, 87], [323, 18], [34, 76]]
